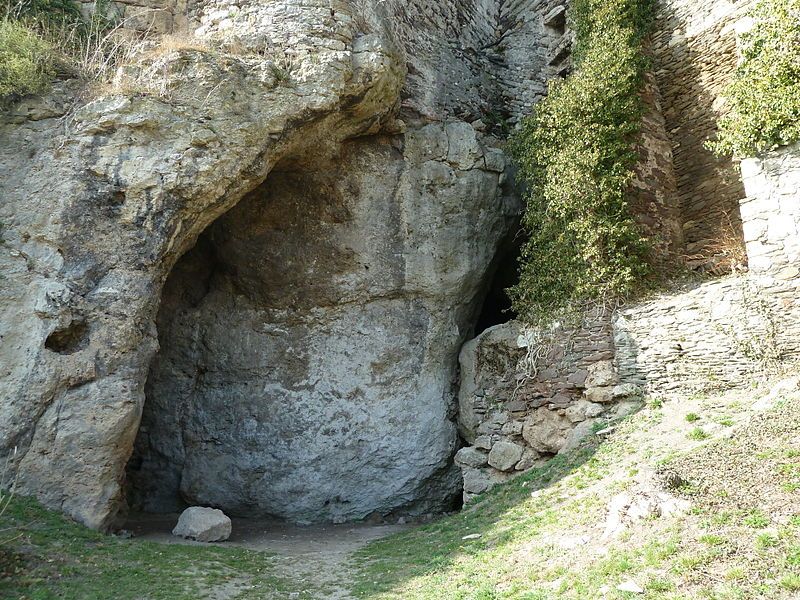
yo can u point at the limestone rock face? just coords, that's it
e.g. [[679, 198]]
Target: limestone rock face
[[309, 340], [314, 329], [203, 525]]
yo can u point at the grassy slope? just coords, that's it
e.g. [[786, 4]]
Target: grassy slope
[[739, 539], [43, 556]]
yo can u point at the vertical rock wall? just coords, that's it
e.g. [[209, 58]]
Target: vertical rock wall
[[100, 206], [771, 212]]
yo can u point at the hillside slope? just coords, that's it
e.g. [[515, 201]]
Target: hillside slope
[[689, 498]]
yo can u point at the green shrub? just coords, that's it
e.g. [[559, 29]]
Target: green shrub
[[50, 12], [765, 93], [576, 155], [26, 65]]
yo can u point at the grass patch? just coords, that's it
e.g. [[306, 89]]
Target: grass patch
[[697, 434], [51, 557], [527, 550]]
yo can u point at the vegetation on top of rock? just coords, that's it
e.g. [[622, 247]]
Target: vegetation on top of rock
[[576, 154], [25, 61], [36, 36], [765, 92]]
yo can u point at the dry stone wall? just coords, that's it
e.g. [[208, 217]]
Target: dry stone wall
[[527, 395], [719, 333], [771, 212], [695, 52]]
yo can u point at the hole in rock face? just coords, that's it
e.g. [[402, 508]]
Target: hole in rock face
[[292, 379], [496, 308], [70, 339]]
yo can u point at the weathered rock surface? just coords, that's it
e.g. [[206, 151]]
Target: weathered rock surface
[[203, 525], [320, 341], [314, 331], [505, 455]]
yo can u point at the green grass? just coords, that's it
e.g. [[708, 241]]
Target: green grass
[[44, 556], [697, 434], [717, 550]]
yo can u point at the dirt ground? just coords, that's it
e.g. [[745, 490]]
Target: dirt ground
[[317, 555]]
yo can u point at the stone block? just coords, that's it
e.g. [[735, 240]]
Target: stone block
[[471, 457], [505, 455], [582, 410], [600, 394]]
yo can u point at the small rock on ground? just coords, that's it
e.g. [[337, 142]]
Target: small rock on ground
[[203, 524]]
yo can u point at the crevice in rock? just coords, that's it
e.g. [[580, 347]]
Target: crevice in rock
[[70, 339], [496, 307]]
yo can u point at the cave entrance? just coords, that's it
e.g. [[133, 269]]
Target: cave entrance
[[295, 379], [496, 308]]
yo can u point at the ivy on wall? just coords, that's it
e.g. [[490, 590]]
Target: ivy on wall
[[765, 93], [576, 155]]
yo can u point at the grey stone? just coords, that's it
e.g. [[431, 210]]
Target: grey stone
[[582, 410], [512, 428], [477, 481], [309, 318], [602, 395], [577, 435], [484, 442], [601, 374], [203, 524], [627, 391], [502, 344], [505, 455], [471, 457], [529, 460], [546, 431]]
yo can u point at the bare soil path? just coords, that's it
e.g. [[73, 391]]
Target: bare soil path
[[315, 557]]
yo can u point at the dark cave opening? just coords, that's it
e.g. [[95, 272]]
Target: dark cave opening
[[496, 308]]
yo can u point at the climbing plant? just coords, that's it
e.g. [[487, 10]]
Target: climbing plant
[[764, 96], [575, 154]]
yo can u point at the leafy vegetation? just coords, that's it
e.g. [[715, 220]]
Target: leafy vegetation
[[30, 32], [765, 93], [26, 65], [576, 154]]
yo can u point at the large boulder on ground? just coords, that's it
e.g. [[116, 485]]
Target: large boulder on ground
[[203, 524]]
